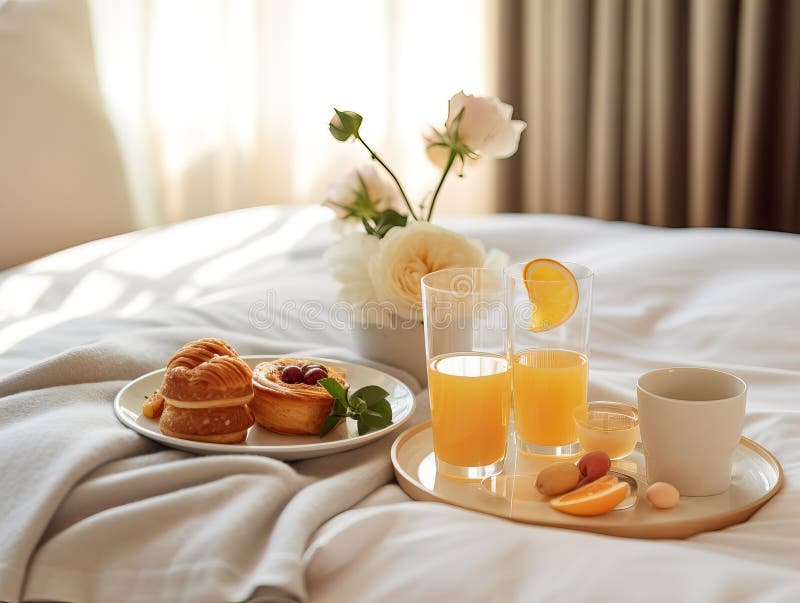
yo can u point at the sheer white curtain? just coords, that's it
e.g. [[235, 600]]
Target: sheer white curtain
[[222, 104]]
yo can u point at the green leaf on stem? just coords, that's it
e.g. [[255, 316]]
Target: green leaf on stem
[[367, 406], [368, 227], [331, 421], [334, 388], [370, 394], [383, 222], [339, 408], [357, 405], [375, 421], [388, 219], [382, 407]]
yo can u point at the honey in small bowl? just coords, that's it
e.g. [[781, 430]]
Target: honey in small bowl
[[612, 427]]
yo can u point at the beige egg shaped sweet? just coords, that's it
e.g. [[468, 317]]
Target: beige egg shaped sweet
[[557, 479], [662, 495]]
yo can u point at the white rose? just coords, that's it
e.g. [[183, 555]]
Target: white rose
[[347, 261], [407, 254], [496, 260], [486, 126], [363, 187]]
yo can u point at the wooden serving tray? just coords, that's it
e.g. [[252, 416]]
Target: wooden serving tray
[[756, 477]]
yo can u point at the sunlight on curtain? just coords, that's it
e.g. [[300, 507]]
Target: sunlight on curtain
[[224, 104]]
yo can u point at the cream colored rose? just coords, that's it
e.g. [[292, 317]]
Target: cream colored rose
[[485, 125], [348, 262], [407, 254]]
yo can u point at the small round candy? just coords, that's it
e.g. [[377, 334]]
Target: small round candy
[[311, 376], [291, 374], [663, 495]]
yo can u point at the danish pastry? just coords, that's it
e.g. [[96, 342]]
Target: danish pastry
[[287, 398], [205, 394]]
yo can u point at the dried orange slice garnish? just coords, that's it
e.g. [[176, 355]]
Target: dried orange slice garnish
[[153, 406], [553, 292], [595, 498]]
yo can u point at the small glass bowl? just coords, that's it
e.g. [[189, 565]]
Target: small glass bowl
[[612, 427]]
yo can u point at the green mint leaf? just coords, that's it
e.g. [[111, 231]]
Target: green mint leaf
[[383, 408], [357, 405], [370, 393], [330, 422], [334, 389], [339, 408], [375, 421], [367, 406]]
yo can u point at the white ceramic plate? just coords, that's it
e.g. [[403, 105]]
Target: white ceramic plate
[[128, 408], [756, 477]]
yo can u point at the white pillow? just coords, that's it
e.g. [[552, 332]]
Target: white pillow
[[61, 177]]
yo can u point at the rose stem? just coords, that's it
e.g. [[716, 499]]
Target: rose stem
[[447, 167], [386, 167]]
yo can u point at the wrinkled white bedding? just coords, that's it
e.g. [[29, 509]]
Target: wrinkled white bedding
[[719, 298]]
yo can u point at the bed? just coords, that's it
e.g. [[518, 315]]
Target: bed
[[93, 512]]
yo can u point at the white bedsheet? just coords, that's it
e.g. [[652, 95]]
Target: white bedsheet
[[719, 298]]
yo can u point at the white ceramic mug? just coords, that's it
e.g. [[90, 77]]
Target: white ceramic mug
[[691, 421]]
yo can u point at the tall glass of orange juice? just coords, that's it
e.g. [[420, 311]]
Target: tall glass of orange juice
[[465, 313], [551, 305]]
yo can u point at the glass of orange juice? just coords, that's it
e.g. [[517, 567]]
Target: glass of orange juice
[[551, 306], [465, 314]]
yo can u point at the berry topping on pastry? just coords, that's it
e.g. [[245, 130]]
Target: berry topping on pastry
[[312, 375], [292, 374]]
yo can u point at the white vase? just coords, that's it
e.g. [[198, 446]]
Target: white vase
[[394, 343]]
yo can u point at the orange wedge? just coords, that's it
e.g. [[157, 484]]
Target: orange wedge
[[595, 498], [553, 292]]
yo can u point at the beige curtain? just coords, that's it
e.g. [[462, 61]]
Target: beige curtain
[[221, 105], [667, 112], [673, 113]]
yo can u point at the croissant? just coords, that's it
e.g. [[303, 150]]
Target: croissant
[[291, 408], [205, 393]]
